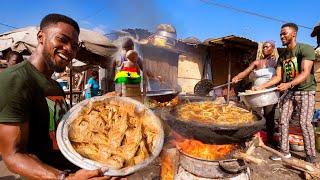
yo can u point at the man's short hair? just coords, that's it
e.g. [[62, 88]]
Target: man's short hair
[[56, 18], [14, 53], [291, 25]]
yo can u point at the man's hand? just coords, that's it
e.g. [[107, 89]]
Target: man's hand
[[88, 174], [257, 88], [284, 86]]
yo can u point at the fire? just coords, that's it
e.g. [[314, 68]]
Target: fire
[[197, 149], [167, 165]]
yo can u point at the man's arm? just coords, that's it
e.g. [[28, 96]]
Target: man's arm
[[274, 80], [306, 67], [12, 144]]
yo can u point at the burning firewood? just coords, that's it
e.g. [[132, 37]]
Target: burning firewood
[[169, 163], [248, 158]]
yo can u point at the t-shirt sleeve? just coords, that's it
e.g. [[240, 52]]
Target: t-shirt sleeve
[[308, 53], [14, 100]]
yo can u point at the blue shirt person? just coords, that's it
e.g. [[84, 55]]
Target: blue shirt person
[[92, 87]]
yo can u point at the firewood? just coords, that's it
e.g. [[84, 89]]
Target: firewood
[[292, 162], [250, 148], [248, 158]]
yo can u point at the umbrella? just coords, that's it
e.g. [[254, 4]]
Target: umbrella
[[95, 48]]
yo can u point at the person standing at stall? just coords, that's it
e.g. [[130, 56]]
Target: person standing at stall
[[92, 86], [129, 78], [263, 69], [126, 45], [295, 72]]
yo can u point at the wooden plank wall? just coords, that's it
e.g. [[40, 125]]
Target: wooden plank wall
[[162, 62], [239, 61], [190, 67]]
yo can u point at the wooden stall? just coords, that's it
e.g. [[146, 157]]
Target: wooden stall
[[233, 50]]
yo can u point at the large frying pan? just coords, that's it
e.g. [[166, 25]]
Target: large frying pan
[[212, 133]]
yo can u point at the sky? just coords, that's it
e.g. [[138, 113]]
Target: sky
[[197, 18]]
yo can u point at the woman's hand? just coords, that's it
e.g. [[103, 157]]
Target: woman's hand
[[235, 79], [257, 88]]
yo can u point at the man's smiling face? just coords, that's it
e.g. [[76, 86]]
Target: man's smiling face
[[60, 45]]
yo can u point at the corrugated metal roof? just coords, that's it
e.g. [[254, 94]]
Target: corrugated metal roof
[[230, 39]]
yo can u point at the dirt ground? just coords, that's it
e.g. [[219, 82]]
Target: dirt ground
[[271, 170], [274, 170]]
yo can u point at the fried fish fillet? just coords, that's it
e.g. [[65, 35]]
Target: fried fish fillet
[[131, 142], [118, 130], [97, 124], [79, 130], [99, 138], [104, 153], [115, 162], [142, 153], [87, 150]]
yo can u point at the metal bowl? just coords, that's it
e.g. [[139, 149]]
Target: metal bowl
[[260, 98], [85, 163]]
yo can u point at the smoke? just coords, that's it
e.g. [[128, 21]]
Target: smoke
[[138, 13]]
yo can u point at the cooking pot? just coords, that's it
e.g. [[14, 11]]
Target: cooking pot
[[260, 98], [222, 168], [212, 133]]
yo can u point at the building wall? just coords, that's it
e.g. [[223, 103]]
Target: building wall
[[190, 67], [161, 62]]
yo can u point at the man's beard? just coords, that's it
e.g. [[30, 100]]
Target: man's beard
[[51, 65]]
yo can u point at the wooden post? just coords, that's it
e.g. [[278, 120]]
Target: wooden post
[[229, 74], [70, 88], [144, 80]]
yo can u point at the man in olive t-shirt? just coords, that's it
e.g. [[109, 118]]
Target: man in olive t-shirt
[[25, 145], [27, 95], [295, 70]]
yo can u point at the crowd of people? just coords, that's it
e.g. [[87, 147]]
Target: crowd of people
[[27, 142]]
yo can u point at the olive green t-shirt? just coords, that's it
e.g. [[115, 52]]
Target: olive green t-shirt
[[290, 61], [23, 98]]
